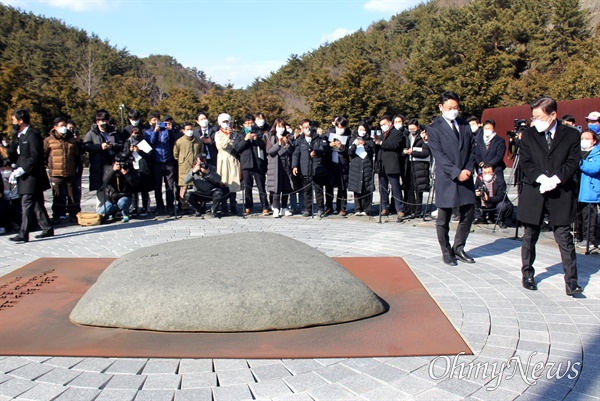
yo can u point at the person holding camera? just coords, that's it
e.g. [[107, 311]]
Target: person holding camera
[[162, 136], [207, 187], [280, 149], [186, 148], [121, 181], [250, 146], [142, 163], [490, 189], [102, 142]]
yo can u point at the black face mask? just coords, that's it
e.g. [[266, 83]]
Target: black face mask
[[103, 127], [16, 128]]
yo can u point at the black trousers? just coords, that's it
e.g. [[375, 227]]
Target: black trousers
[[564, 239], [64, 196], [318, 183], [385, 180], [250, 177], [280, 201], [362, 202], [33, 210], [442, 228], [164, 172], [218, 196]]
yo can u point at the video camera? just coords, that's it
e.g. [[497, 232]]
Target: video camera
[[519, 125]]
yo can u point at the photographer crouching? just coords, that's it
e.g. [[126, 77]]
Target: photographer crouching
[[121, 181], [207, 187], [491, 191]]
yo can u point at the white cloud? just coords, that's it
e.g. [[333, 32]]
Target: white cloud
[[335, 35], [390, 6], [15, 3], [237, 71]]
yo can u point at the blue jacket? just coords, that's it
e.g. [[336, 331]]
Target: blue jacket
[[589, 190], [162, 143]]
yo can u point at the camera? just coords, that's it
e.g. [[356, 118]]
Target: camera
[[483, 190], [203, 165], [518, 125], [162, 124]]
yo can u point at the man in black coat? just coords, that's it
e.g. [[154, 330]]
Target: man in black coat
[[550, 154], [206, 133], [309, 162], [451, 143], [31, 178]]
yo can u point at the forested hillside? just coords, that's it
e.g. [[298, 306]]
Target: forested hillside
[[492, 52]]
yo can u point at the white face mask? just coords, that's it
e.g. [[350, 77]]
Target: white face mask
[[542, 125], [586, 144], [474, 128], [134, 123], [189, 133], [204, 123], [488, 177], [450, 115], [362, 133], [398, 126], [384, 128], [260, 123], [280, 131], [307, 132], [339, 131], [290, 131], [5, 144], [62, 130], [224, 125], [488, 133]]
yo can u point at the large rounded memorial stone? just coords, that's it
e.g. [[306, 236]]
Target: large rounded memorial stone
[[230, 283]]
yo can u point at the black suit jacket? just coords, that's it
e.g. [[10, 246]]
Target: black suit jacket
[[451, 156], [561, 160], [31, 159], [494, 155]]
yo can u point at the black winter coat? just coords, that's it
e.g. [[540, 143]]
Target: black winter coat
[[279, 176], [31, 159], [419, 160], [311, 166], [117, 185], [389, 154], [100, 159], [144, 169], [361, 170], [338, 172], [249, 152]]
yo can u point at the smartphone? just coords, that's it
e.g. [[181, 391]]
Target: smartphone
[[162, 124]]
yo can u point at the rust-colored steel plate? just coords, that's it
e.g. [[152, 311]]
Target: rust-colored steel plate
[[35, 302]]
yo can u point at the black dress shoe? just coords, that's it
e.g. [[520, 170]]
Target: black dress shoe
[[450, 260], [463, 257], [529, 284], [46, 234], [573, 288], [18, 239]]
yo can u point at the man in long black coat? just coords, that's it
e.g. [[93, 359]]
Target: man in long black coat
[[31, 178], [550, 154], [451, 143]]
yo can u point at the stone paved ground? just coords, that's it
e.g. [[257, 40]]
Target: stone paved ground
[[543, 331]]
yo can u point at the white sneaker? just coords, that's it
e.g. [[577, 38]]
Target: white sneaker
[[286, 212], [275, 212]]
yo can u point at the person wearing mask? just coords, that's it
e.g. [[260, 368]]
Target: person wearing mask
[[593, 122], [389, 165], [30, 177], [261, 126], [62, 157], [451, 144], [251, 148], [475, 126], [135, 120], [490, 191], [416, 178], [121, 181], [228, 164], [361, 180], [206, 133], [206, 187], [280, 149], [338, 165], [309, 162], [297, 197], [184, 151], [101, 142], [142, 164], [550, 155], [490, 148], [589, 189], [161, 137]]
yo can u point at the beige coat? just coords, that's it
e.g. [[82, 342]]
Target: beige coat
[[228, 166], [184, 152]]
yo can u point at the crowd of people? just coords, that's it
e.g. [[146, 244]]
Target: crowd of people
[[301, 169]]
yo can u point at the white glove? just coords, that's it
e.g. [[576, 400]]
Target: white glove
[[542, 179], [16, 174], [555, 180]]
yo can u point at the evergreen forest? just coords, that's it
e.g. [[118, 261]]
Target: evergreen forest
[[492, 52]]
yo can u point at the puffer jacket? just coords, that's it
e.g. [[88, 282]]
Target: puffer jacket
[[61, 154], [589, 189]]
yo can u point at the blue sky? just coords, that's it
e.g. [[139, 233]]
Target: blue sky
[[232, 41]]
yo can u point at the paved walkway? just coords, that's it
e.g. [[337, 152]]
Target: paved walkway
[[541, 333]]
